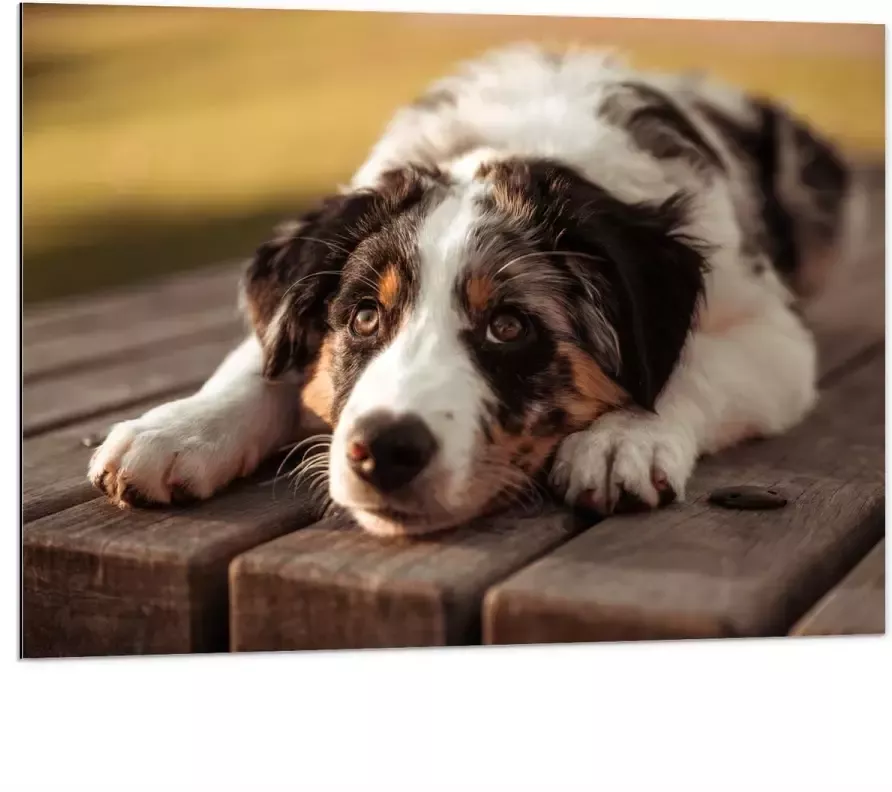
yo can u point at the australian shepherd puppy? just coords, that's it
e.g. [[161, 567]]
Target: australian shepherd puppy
[[550, 267]]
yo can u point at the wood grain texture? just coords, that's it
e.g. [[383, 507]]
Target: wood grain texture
[[54, 465], [331, 586], [51, 403], [102, 581], [177, 294], [89, 350], [857, 606], [695, 570]]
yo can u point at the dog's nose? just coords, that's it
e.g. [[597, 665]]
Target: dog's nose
[[388, 451]]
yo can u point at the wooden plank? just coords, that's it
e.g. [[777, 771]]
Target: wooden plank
[[696, 570], [73, 335], [857, 606], [331, 586], [175, 294], [101, 581], [54, 465], [52, 403], [68, 353]]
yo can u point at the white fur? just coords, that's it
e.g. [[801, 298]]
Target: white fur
[[426, 371], [204, 441]]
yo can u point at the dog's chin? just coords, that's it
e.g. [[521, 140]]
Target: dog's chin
[[391, 523]]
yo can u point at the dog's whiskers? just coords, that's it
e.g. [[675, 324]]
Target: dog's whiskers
[[319, 441]]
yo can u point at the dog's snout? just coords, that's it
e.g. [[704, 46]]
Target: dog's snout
[[388, 450]]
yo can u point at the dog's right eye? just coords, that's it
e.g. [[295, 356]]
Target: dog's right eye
[[365, 319]]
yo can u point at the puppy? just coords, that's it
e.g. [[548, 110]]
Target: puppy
[[549, 265]]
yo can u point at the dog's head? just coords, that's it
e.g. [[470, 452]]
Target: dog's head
[[453, 332]]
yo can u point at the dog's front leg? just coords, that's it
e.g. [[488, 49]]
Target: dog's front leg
[[192, 447], [755, 378]]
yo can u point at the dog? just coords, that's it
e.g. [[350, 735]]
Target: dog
[[551, 267]]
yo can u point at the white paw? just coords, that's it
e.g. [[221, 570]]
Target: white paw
[[178, 452], [624, 462]]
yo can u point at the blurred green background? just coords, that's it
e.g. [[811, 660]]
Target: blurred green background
[[160, 139]]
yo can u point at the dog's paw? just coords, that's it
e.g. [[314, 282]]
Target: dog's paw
[[176, 453], [624, 462]]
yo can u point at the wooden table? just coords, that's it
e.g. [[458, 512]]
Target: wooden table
[[254, 570]]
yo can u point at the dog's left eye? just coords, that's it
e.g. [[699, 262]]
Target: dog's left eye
[[365, 319], [507, 327]]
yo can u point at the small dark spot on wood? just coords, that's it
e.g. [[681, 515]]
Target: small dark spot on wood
[[748, 498]]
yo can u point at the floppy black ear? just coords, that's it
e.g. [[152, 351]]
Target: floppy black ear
[[291, 278], [636, 262], [656, 282]]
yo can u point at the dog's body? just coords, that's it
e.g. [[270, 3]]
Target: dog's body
[[548, 263]]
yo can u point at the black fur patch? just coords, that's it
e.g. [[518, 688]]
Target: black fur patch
[[632, 259], [299, 271], [777, 143], [658, 125]]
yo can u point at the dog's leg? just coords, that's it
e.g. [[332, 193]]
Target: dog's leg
[[192, 447], [755, 378]]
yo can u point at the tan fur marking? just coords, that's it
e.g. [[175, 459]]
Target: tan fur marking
[[595, 391], [389, 287], [479, 290], [484, 170], [511, 460], [318, 394], [522, 451]]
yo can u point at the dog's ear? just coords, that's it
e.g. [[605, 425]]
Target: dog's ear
[[640, 277], [286, 285], [289, 282], [655, 278]]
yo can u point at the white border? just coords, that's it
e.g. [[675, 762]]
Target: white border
[[808, 714]]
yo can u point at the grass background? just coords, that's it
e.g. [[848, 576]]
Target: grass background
[[159, 139]]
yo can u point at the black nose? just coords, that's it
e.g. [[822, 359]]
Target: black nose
[[388, 450]]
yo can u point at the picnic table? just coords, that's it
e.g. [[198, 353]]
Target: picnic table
[[255, 569]]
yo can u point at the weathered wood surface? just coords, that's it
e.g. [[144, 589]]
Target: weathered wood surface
[[64, 354], [55, 464], [331, 586], [160, 370], [857, 606], [175, 295], [102, 581]]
